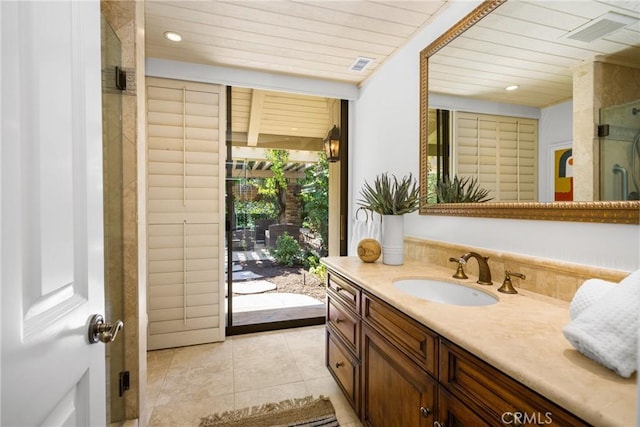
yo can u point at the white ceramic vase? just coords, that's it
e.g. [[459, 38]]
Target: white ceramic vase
[[393, 239]]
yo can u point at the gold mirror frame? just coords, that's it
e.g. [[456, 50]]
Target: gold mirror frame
[[610, 212]]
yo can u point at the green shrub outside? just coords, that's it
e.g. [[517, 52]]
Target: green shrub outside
[[287, 251], [312, 263], [248, 212]]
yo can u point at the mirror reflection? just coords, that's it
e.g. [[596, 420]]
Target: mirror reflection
[[516, 104]]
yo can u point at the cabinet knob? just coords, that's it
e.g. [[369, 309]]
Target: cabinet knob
[[338, 289], [438, 424], [339, 364], [425, 412]]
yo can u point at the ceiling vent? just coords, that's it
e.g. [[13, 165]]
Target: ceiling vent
[[360, 64], [601, 26]]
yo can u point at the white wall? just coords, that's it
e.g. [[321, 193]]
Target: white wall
[[386, 136], [248, 78], [457, 103]]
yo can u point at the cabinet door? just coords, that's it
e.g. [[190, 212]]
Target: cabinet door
[[453, 413], [396, 392]]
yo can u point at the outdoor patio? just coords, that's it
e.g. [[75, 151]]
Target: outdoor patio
[[256, 299]]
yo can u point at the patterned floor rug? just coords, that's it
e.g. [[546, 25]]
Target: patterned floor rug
[[301, 412]]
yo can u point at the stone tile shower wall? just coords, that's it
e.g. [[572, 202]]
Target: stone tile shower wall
[[596, 85]]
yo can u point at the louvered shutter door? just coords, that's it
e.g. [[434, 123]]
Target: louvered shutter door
[[500, 152], [185, 212]]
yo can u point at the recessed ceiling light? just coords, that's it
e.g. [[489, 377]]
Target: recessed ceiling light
[[512, 87], [173, 36]]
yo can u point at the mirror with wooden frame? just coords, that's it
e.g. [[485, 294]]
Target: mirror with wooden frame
[[518, 23]]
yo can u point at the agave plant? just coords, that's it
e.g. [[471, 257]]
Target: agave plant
[[390, 195], [461, 190]]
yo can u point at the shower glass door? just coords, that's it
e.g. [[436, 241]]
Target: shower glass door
[[620, 152], [113, 219]]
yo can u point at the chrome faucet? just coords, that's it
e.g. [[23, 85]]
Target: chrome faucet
[[484, 273]]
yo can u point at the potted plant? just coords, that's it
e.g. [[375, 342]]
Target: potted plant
[[461, 190], [391, 198]]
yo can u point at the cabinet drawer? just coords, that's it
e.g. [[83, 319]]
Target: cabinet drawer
[[415, 340], [345, 322], [349, 294], [344, 368], [491, 392]]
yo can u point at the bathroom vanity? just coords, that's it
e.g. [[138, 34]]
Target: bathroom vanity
[[405, 361]]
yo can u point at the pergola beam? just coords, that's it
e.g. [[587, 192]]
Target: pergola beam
[[255, 117], [256, 153], [281, 142], [242, 173]]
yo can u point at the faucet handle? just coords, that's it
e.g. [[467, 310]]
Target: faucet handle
[[507, 286], [459, 274]]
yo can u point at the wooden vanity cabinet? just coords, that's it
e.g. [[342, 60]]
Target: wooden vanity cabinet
[[343, 336], [397, 372]]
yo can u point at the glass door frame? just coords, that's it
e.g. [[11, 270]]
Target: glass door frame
[[232, 329]]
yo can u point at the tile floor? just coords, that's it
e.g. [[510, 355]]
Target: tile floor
[[187, 383]]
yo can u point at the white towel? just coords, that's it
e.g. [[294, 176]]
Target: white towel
[[375, 228], [590, 292], [607, 331]]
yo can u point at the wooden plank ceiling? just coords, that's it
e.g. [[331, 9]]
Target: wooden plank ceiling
[[525, 43], [317, 38], [521, 43]]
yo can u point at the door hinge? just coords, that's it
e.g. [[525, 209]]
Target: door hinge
[[121, 79], [124, 382], [603, 130]]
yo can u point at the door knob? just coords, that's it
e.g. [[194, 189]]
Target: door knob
[[101, 331]]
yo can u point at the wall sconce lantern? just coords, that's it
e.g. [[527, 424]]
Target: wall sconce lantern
[[332, 144]]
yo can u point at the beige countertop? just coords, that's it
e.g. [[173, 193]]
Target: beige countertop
[[521, 335]]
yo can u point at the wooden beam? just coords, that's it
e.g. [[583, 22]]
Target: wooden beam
[[241, 173], [255, 117], [256, 153], [283, 142]]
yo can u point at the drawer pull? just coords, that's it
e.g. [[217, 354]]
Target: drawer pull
[[338, 289], [339, 320], [339, 364], [438, 424], [425, 412]]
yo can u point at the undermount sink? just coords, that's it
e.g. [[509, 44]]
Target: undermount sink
[[444, 292]]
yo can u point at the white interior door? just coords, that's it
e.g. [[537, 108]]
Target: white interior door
[[52, 245]]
